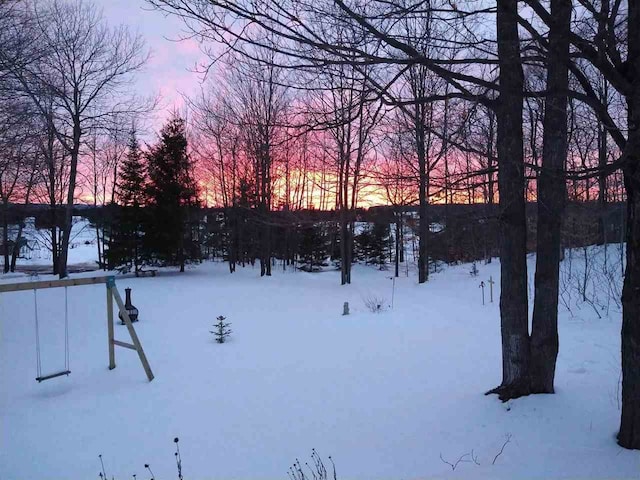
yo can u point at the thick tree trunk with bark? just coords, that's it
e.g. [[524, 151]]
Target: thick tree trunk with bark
[[401, 237], [514, 323], [491, 181], [265, 210], [398, 235], [54, 244], [423, 225], [345, 247], [66, 236], [5, 234], [16, 245], [181, 253], [551, 202], [16, 248], [346, 244], [68, 210], [265, 261], [232, 221], [629, 434], [602, 184], [101, 264]]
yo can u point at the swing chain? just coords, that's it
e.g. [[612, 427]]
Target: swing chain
[[66, 330], [35, 307], [66, 371]]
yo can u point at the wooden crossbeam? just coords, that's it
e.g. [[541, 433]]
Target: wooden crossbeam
[[65, 282], [124, 344]]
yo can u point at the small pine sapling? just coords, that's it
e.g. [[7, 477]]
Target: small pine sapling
[[221, 329]]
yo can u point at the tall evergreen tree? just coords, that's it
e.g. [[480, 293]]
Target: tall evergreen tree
[[373, 243], [171, 196], [313, 247], [380, 244], [126, 236], [131, 188]]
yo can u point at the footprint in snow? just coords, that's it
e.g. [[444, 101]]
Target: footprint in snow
[[580, 370]]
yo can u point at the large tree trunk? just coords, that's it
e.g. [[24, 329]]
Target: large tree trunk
[[551, 202], [491, 182], [16, 245], [514, 323], [68, 210], [54, 242], [401, 236], [66, 234], [345, 247], [267, 247], [101, 264], [16, 248], [346, 244], [5, 234], [423, 225], [629, 434], [398, 235], [232, 221], [265, 207], [602, 184]]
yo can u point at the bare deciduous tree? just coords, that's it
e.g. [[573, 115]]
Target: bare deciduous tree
[[78, 81]]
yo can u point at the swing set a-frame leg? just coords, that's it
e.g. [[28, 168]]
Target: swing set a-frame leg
[[112, 293], [112, 352]]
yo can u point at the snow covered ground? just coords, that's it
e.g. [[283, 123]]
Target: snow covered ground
[[83, 244], [388, 395]]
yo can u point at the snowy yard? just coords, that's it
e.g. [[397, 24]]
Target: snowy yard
[[386, 395], [83, 249]]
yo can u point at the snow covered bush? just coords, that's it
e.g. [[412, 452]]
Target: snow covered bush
[[317, 469], [374, 303]]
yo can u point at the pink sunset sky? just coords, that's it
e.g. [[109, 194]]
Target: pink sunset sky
[[169, 71]]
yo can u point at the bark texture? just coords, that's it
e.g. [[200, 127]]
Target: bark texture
[[551, 203], [423, 225], [629, 434], [68, 208], [514, 323]]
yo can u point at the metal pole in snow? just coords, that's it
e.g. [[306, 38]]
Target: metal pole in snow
[[482, 287]]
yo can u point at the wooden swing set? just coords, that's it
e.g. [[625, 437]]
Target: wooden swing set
[[112, 294]]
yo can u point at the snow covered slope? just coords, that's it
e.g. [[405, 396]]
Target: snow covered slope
[[82, 251], [387, 395]]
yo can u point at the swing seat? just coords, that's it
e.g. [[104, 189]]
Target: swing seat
[[52, 375]]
